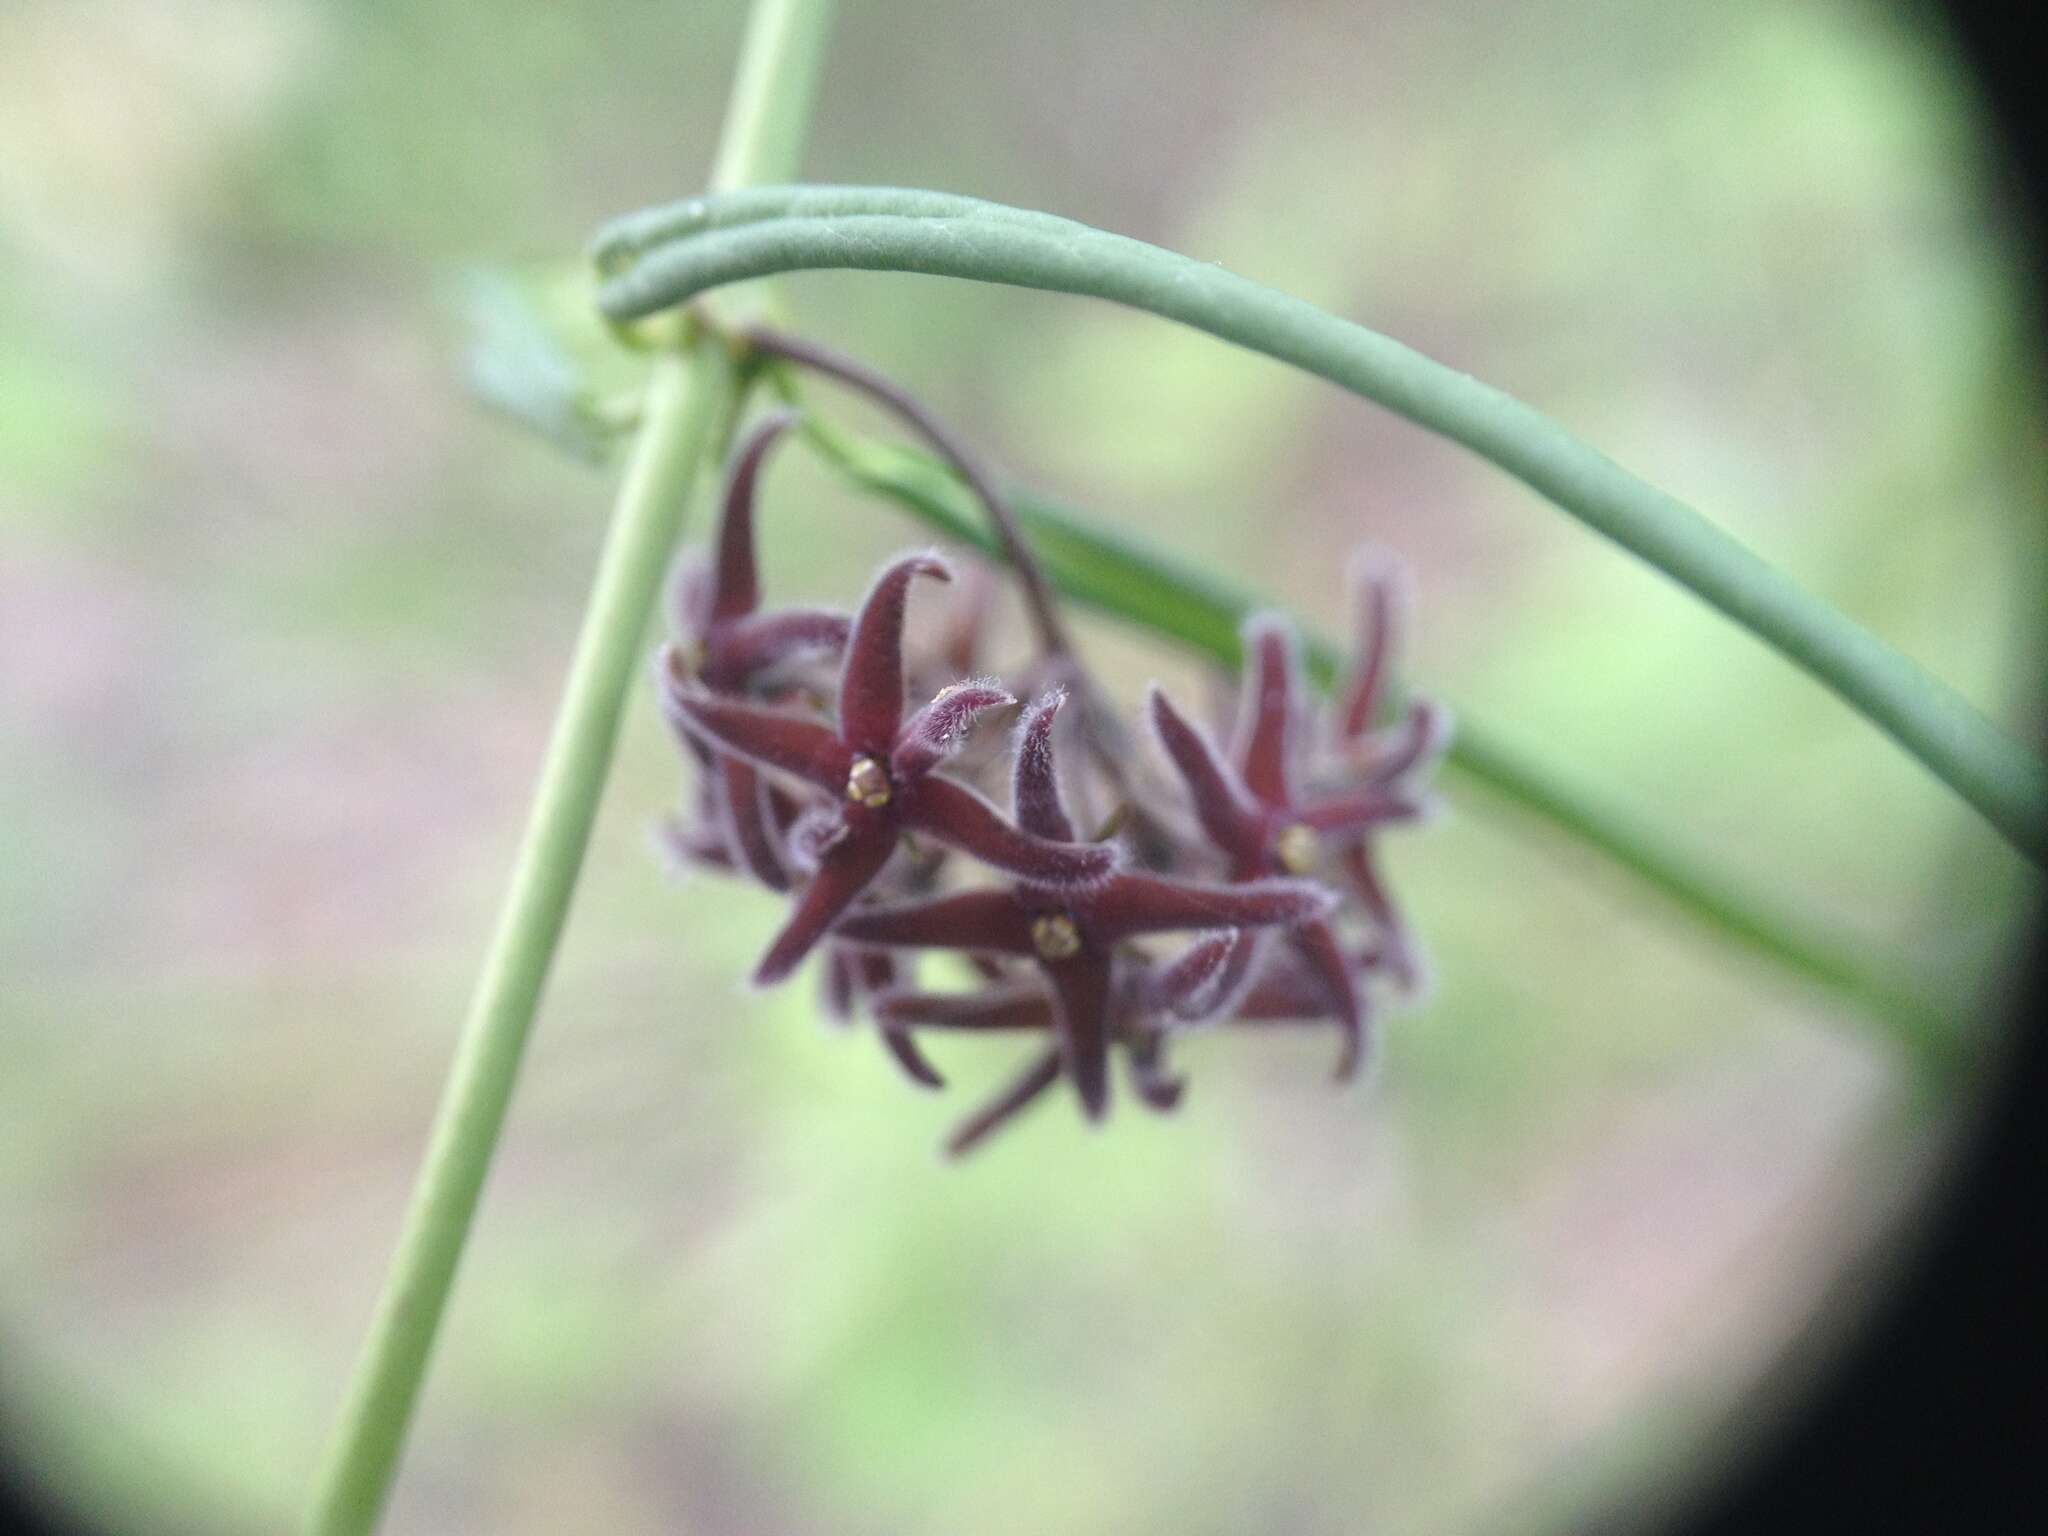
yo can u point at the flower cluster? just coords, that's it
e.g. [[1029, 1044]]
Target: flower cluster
[[1253, 900]]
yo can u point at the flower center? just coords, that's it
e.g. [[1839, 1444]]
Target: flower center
[[1056, 936], [867, 783], [1296, 849]]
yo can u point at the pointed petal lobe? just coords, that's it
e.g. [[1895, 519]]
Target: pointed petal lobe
[[1206, 977], [844, 872], [735, 584], [1134, 904], [992, 920], [1379, 586], [915, 1065], [1221, 802], [746, 823], [957, 815], [745, 647], [1043, 1072], [772, 738], [1080, 988], [1034, 780], [871, 683], [936, 731], [1355, 809], [1317, 945], [1268, 718], [1023, 1006]]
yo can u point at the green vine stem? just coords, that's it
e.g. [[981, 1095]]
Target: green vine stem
[[1118, 575], [690, 401], [663, 257]]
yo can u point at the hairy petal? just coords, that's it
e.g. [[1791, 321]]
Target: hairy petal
[[1081, 990], [1380, 587], [999, 1008], [916, 1066], [1400, 955], [811, 836], [1412, 746], [746, 818], [992, 920], [1029, 1086], [957, 815], [871, 683], [1221, 802], [1355, 809], [1206, 977], [936, 731], [1034, 781], [845, 871], [1157, 1086], [1316, 944], [746, 646], [735, 584], [1267, 719], [772, 738], [1134, 904]]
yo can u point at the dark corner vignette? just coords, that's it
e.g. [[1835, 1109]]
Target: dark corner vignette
[[1930, 1416]]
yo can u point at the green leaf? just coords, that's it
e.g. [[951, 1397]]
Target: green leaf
[[537, 356]]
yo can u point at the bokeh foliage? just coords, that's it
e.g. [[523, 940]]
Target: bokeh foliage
[[283, 616]]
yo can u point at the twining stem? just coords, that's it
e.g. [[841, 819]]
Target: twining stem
[[689, 401], [1119, 575], [1103, 733], [664, 256], [1038, 598]]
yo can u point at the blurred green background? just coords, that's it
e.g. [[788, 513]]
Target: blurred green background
[[283, 616]]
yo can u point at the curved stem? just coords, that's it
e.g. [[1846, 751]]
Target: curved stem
[[688, 402], [665, 256], [1045, 617], [1127, 579]]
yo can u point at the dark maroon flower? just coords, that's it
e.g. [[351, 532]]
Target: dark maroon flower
[[1027, 1006], [1073, 932], [862, 813], [877, 767], [735, 648], [1204, 979], [1255, 810], [1382, 754]]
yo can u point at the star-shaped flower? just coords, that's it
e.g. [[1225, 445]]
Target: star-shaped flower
[[1254, 808], [1073, 933], [877, 768], [1203, 979]]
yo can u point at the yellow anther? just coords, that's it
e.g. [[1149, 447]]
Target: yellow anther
[[1296, 849], [867, 784], [1056, 936]]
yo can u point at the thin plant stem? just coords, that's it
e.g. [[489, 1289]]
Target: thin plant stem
[[663, 257], [1038, 597], [691, 397], [1119, 575]]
